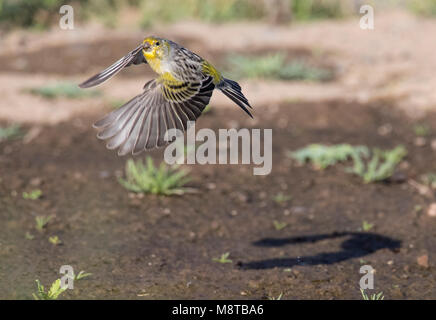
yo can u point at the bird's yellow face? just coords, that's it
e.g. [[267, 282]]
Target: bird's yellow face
[[154, 48]]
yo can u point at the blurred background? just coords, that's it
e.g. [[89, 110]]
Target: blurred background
[[353, 118]]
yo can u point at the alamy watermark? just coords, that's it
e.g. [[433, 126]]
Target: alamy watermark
[[66, 22], [229, 143], [67, 280], [367, 20], [367, 280]]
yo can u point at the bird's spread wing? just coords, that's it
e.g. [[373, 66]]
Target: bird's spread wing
[[133, 57], [142, 122]]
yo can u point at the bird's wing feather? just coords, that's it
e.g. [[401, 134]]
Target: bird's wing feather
[[133, 57], [142, 122]]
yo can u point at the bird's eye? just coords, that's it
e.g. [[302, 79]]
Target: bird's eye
[[157, 43]]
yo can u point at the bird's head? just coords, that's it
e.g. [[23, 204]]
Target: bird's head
[[155, 47]]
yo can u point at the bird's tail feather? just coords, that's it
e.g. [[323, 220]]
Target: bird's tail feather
[[233, 91]]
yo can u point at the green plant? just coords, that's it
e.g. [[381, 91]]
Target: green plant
[[223, 258], [422, 7], [319, 9], [366, 226], [65, 89], [10, 133], [322, 156], [279, 297], [281, 198], [29, 236], [41, 222], [81, 275], [32, 195], [380, 166], [279, 225], [421, 130], [274, 66], [147, 178], [429, 179], [54, 240], [378, 296], [52, 294]]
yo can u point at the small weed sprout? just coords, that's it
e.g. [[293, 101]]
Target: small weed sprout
[[421, 130], [366, 226], [32, 195], [322, 156], [281, 198], [10, 133], [279, 225], [29, 236], [81, 275], [279, 297], [55, 240], [380, 167], [223, 259], [52, 294], [429, 179], [147, 178], [41, 222], [378, 296]]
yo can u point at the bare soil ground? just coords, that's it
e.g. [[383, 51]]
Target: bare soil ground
[[158, 247], [162, 247]]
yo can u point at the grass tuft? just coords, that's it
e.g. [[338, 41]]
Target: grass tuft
[[274, 66], [281, 198], [375, 296], [52, 294], [322, 156], [32, 195], [279, 225], [162, 180], [65, 89], [224, 258], [11, 132], [377, 165], [41, 222], [366, 226], [380, 167]]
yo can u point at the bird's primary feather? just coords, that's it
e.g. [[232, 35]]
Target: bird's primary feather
[[142, 122]]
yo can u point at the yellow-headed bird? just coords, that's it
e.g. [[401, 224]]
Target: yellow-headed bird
[[180, 93]]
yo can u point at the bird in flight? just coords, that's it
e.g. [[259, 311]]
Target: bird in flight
[[178, 95]]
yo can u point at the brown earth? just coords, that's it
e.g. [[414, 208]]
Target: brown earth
[[162, 247], [154, 247]]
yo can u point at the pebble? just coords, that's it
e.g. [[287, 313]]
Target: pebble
[[423, 261], [433, 144], [35, 182], [384, 129], [420, 141], [431, 211]]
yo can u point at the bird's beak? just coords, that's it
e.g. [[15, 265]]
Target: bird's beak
[[146, 46]]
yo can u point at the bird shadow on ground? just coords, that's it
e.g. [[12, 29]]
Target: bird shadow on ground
[[358, 245]]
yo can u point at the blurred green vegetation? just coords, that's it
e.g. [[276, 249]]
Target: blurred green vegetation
[[208, 10], [275, 66], [423, 7], [43, 13], [63, 89]]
